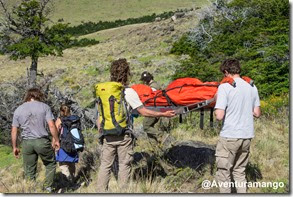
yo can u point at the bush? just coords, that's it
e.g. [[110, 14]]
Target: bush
[[256, 32], [90, 27], [82, 42], [273, 105]]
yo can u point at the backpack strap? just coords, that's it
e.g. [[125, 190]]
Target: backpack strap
[[126, 109], [231, 81], [248, 80], [99, 103]]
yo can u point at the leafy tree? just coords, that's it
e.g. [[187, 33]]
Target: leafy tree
[[26, 32], [254, 31]]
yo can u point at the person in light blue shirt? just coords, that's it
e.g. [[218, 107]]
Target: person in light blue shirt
[[235, 106]]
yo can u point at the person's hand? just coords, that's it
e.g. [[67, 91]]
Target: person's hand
[[52, 143], [169, 113], [55, 145], [16, 152]]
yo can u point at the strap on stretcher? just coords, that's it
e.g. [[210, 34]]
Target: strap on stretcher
[[179, 109]]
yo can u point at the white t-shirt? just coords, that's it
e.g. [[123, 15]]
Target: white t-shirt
[[132, 98], [238, 104]]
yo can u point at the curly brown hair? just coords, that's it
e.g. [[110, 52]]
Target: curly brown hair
[[34, 93], [120, 71], [232, 66]]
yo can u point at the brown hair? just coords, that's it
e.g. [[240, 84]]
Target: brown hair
[[120, 71], [64, 110], [34, 93], [232, 66]]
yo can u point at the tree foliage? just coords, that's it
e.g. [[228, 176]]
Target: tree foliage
[[254, 31], [26, 32]]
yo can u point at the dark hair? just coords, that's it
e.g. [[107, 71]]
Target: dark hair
[[146, 77], [64, 110], [34, 93], [120, 71], [232, 66]]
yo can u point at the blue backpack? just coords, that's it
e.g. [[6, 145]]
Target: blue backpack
[[72, 140]]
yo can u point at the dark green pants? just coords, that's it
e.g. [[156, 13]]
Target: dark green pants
[[149, 128], [31, 150]]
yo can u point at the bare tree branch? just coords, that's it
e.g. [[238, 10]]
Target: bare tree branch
[[203, 29]]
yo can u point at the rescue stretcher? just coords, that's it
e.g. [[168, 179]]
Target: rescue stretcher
[[184, 95]]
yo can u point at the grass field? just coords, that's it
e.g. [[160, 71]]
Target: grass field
[[76, 11], [269, 157], [146, 47]]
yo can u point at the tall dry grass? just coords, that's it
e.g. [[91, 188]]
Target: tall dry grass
[[269, 155]]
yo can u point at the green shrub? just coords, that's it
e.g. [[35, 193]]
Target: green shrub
[[273, 105], [82, 42], [255, 31], [90, 27]]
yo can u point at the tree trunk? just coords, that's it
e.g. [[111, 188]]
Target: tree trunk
[[32, 76]]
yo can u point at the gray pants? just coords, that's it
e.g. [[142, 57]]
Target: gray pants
[[112, 146], [231, 159]]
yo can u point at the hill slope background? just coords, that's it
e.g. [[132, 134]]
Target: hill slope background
[[146, 46], [78, 11]]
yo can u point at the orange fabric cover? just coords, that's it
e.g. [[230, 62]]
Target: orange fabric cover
[[144, 92], [157, 100], [185, 91]]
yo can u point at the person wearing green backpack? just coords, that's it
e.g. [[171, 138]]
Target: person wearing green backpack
[[114, 103]]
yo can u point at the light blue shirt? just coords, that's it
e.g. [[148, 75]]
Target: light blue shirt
[[238, 103]]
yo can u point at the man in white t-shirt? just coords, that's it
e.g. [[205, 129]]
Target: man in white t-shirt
[[122, 145], [236, 106]]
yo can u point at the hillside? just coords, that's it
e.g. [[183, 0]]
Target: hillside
[[146, 46], [78, 11], [143, 45]]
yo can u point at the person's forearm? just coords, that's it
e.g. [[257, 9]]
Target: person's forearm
[[98, 124], [149, 113], [54, 133], [219, 114], [256, 112], [14, 137]]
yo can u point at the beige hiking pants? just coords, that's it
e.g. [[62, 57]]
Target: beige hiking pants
[[123, 147], [231, 159]]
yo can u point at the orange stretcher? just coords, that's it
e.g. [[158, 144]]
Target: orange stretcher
[[183, 95]]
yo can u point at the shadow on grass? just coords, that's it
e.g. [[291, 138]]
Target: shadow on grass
[[192, 154]]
